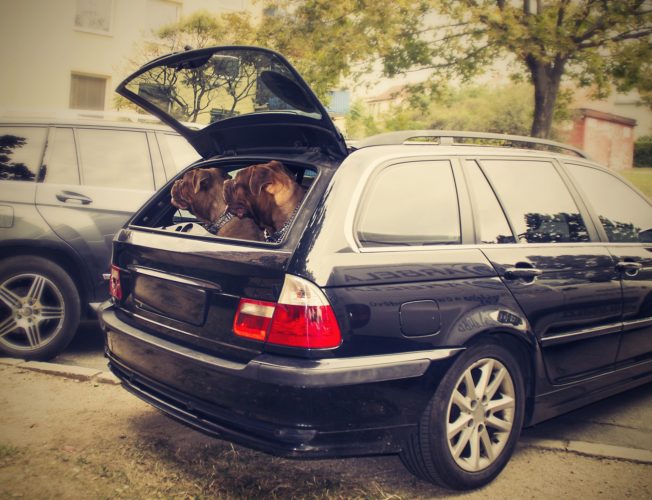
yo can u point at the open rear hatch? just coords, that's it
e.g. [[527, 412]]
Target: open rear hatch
[[234, 100]]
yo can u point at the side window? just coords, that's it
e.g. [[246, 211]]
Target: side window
[[61, 167], [21, 152], [115, 158], [624, 214], [181, 153], [410, 204], [492, 226], [537, 202]]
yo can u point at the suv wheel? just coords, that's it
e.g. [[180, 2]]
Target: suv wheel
[[469, 430], [39, 308]]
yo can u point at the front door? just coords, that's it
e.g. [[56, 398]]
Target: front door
[[625, 217]]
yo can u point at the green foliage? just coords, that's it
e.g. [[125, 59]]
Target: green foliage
[[643, 152], [505, 109], [593, 43]]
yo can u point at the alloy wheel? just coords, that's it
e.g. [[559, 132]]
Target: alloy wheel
[[31, 311], [480, 414]]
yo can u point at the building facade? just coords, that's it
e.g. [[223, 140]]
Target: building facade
[[71, 54]]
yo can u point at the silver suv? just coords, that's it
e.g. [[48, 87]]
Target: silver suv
[[67, 184]]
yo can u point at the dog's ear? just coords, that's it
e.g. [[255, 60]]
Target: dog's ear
[[261, 175], [200, 180]]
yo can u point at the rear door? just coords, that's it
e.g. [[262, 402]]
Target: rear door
[[92, 180], [625, 218], [563, 279]]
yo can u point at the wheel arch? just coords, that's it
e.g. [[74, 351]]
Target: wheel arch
[[65, 258]]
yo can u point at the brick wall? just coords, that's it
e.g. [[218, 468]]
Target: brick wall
[[606, 138]]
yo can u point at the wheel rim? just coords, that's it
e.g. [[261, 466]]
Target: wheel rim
[[480, 415], [31, 312]]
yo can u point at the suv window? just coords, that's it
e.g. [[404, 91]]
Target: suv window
[[410, 204], [624, 214], [61, 165], [181, 153], [115, 158], [21, 151], [491, 224], [537, 202]]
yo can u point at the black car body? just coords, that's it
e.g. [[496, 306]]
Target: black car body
[[429, 298]]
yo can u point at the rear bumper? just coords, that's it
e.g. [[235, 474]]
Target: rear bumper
[[285, 406]]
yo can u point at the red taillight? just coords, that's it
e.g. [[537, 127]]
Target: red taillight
[[301, 318], [115, 288], [253, 318]]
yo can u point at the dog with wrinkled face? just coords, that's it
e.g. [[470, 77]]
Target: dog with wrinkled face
[[201, 192], [267, 192]]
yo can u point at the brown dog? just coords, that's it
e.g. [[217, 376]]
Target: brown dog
[[201, 192], [267, 192]]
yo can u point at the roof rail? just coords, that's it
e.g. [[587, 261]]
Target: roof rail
[[447, 137]]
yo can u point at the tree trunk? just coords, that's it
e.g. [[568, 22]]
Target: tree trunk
[[546, 78]]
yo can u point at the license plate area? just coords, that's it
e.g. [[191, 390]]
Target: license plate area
[[170, 299]]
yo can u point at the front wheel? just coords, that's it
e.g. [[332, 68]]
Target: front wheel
[[39, 308], [470, 428]]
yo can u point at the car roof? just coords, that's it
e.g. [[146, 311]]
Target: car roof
[[91, 119]]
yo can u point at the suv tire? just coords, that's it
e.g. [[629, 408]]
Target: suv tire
[[469, 429], [39, 308]]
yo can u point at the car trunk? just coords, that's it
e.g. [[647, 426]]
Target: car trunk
[[186, 287]]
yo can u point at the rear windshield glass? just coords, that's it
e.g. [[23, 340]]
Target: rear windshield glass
[[221, 85]]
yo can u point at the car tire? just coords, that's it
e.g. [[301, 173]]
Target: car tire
[[469, 430], [39, 308]]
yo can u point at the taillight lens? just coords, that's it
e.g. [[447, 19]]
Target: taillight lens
[[115, 287], [253, 318], [302, 317]]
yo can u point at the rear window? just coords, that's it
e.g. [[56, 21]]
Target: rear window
[[410, 204], [115, 158], [21, 152], [537, 202]]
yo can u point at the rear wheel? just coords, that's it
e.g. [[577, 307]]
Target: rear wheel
[[469, 430], [39, 308]]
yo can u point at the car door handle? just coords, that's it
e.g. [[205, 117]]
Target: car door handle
[[629, 268], [525, 273], [70, 196]]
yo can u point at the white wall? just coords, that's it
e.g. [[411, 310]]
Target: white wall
[[40, 48]]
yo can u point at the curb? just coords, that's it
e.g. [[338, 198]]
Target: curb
[[591, 449], [78, 373]]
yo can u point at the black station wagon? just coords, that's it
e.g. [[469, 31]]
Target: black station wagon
[[429, 298]]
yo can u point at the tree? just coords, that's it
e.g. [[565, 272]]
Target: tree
[[596, 43]]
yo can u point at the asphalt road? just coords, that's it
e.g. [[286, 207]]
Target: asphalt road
[[620, 425]]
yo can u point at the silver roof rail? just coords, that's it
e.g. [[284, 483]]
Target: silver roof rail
[[447, 137]]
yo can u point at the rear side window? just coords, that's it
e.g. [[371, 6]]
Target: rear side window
[[410, 204], [180, 151], [536, 200], [115, 158], [623, 213], [21, 152]]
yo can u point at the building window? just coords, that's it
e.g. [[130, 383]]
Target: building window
[[87, 92], [161, 13], [94, 15]]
